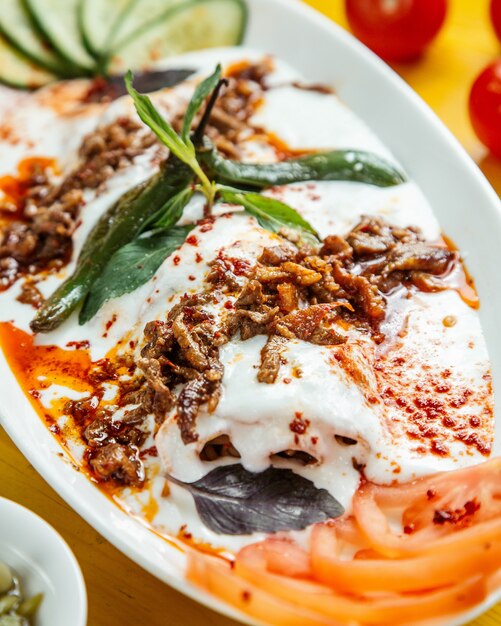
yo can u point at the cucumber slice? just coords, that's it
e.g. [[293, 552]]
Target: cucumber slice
[[99, 20], [143, 13], [18, 71], [57, 20], [184, 26], [17, 29]]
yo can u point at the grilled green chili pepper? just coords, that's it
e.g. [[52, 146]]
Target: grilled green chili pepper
[[349, 165], [117, 227]]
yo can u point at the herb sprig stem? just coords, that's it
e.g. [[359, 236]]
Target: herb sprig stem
[[181, 145]]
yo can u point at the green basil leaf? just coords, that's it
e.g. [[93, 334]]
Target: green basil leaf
[[130, 267], [185, 152], [173, 209], [270, 213], [171, 212], [160, 126], [202, 91]]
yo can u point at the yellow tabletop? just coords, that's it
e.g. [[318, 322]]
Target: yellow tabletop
[[120, 593]]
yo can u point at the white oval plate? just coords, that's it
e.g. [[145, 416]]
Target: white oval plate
[[465, 204]]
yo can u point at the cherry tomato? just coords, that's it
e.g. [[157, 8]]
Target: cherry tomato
[[485, 107], [496, 16], [396, 30]]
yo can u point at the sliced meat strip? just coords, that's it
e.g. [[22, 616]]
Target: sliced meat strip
[[115, 460], [271, 356]]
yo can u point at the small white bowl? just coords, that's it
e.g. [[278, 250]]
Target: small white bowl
[[44, 563]]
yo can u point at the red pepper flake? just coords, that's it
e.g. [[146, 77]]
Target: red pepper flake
[[439, 448], [443, 516], [287, 381], [191, 277], [109, 324], [206, 224], [132, 344], [176, 260], [299, 425], [475, 421], [449, 422], [184, 533], [192, 240], [409, 529], [460, 399], [78, 345], [471, 507], [442, 388], [241, 267], [246, 596], [229, 305], [111, 321], [430, 494], [34, 393], [149, 452], [473, 439], [198, 257], [314, 440]]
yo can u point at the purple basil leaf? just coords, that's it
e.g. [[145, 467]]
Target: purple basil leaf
[[232, 501]]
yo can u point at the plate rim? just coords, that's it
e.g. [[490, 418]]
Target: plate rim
[[61, 476]]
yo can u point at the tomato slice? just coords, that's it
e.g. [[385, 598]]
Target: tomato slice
[[217, 577], [398, 575], [286, 558], [440, 512], [359, 570], [283, 601]]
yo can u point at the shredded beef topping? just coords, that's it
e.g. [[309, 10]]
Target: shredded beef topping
[[31, 295], [271, 356], [113, 442], [183, 351], [41, 239], [118, 461], [316, 296]]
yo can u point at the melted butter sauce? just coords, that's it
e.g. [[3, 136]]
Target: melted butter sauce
[[29, 362], [39, 367], [282, 150], [460, 279], [15, 188]]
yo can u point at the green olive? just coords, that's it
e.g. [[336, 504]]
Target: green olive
[[7, 604], [13, 620], [5, 578], [28, 608]]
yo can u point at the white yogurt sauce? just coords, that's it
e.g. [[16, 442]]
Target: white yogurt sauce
[[257, 416]]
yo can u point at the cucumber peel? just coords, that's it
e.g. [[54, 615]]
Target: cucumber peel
[[18, 72]]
